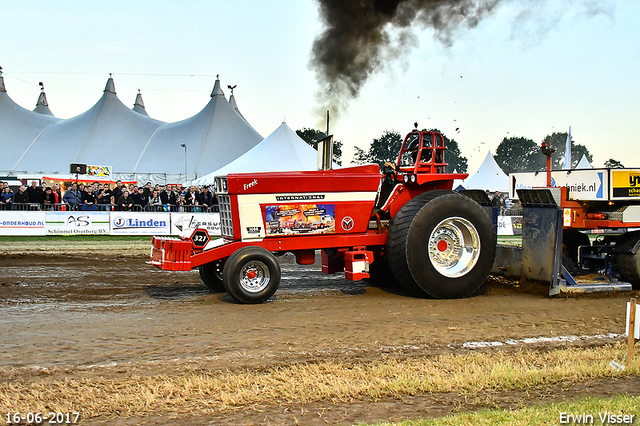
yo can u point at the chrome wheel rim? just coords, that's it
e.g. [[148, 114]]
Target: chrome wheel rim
[[254, 276], [454, 247]]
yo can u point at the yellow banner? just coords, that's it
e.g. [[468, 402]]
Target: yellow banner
[[625, 183]]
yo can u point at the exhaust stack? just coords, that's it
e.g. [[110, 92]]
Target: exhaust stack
[[325, 153]]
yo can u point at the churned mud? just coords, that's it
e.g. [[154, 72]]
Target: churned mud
[[104, 311]]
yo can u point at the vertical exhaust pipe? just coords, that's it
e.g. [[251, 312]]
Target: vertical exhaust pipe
[[325, 150]]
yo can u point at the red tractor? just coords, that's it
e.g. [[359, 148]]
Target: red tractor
[[403, 224]]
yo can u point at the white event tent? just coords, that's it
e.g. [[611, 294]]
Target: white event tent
[[18, 128], [213, 138], [488, 176], [135, 146], [282, 150], [583, 163], [108, 134]]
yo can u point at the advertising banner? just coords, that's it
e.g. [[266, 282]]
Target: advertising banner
[[183, 224], [586, 185], [103, 171], [625, 183], [140, 223], [509, 225], [294, 219], [22, 223], [75, 223]]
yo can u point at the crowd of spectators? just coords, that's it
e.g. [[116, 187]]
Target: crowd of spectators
[[106, 197], [505, 205]]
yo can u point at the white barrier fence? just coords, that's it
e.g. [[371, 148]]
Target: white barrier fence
[[106, 223]]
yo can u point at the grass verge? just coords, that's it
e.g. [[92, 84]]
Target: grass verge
[[589, 411], [207, 392]]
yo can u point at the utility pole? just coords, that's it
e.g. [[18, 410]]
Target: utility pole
[[184, 145]]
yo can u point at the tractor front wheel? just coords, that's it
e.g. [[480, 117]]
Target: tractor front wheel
[[251, 275]]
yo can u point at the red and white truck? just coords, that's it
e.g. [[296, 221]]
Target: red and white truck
[[404, 223]]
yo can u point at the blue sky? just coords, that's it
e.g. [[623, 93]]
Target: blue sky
[[529, 69]]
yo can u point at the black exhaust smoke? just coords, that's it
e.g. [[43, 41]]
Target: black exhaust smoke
[[361, 36]]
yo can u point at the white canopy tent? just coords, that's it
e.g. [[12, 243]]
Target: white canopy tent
[[583, 163], [108, 134], [18, 128], [136, 146], [282, 150], [488, 176], [212, 139]]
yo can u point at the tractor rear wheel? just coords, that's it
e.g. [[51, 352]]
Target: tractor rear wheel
[[572, 239], [251, 275], [629, 267], [211, 275], [443, 244]]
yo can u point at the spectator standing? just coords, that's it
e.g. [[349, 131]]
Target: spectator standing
[[186, 199], [498, 202], [117, 192], [72, 197], [155, 203], [49, 199], [206, 198], [181, 202], [35, 192], [105, 198], [139, 197], [172, 197], [146, 191], [55, 190], [6, 198], [125, 202], [193, 195], [164, 195], [21, 197], [89, 198]]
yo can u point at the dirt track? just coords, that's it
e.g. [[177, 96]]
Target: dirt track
[[108, 313]]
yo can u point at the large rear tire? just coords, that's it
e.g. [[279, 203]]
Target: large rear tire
[[251, 275], [443, 244], [629, 265], [211, 275], [572, 239]]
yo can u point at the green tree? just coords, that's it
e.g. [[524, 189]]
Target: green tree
[[312, 137], [613, 164], [387, 146], [558, 142], [382, 149], [519, 154]]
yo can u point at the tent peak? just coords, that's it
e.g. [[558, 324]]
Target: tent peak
[[42, 106], [138, 106], [217, 90], [110, 87], [233, 103], [42, 99], [139, 102], [2, 89]]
